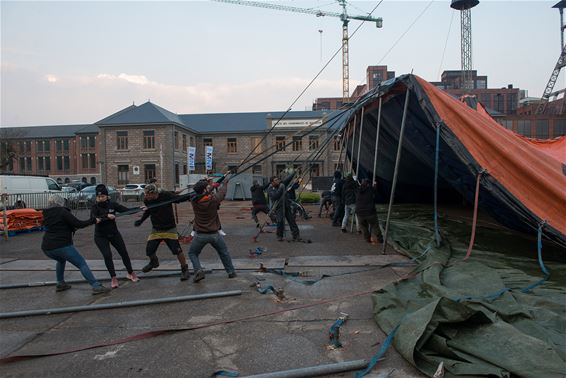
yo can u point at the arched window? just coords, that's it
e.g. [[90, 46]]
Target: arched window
[[67, 180], [59, 180], [84, 180], [93, 180]]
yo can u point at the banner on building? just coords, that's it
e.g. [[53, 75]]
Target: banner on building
[[191, 151], [208, 157]]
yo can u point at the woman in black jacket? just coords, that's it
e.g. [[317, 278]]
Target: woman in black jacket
[[106, 233], [58, 245]]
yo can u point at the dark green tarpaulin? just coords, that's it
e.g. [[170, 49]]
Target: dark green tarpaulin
[[443, 309]]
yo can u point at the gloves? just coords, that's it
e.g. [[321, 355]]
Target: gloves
[[138, 223]]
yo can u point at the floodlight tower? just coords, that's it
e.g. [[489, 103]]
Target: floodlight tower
[[465, 8]]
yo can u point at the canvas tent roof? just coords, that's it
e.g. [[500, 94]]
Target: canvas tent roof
[[522, 186]]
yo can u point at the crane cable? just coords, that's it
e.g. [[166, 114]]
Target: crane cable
[[306, 88]]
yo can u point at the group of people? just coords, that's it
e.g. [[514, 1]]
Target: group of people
[[351, 198], [61, 224]]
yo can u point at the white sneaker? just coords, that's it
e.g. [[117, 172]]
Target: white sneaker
[[221, 232], [193, 234]]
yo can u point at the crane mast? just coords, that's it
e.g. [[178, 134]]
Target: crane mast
[[319, 13]]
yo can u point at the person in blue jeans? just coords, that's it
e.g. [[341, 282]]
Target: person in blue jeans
[[207, 225], [58, 245]]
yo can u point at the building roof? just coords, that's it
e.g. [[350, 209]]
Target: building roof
[[57, 131], [145, 113]]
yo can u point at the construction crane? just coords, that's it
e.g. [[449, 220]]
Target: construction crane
[[344, 16]]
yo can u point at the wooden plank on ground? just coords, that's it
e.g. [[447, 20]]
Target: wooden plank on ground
[[353, 260]]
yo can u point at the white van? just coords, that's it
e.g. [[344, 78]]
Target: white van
[[28, 191]]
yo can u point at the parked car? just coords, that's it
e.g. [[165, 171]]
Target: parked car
[[28, 191], [134, 191], [71, 196], [87, 196]]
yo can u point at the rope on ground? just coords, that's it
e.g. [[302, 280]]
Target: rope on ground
[[475, 218], [375, 359]]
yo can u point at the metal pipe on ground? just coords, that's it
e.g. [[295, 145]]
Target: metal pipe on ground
[[315, 371], [106, 306], [53, 283]]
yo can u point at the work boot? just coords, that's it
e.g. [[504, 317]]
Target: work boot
[[100, 290], [153, 263], [199, 275], [62, 286], [184, 272], [232, 275], [114, 283]]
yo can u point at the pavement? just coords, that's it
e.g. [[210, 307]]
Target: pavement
[[250, 333]]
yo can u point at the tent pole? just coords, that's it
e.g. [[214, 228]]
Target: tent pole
[[376, 140], [436, 158], [353, 141], [360, 143], [396, 171]]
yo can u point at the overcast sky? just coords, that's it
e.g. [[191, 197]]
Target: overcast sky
[[78, 62]]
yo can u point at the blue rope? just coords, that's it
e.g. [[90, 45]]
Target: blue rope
[[225, 373], [436, 158], [335, 332], [266, 290], [540, 262], [379, 354]]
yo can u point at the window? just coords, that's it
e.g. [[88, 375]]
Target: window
[[62, 145], [542, 131], [42, 146], [149, 140], [279, 168], [88, 161], [559, 127], [232, 145], [25, 147], [185, 169], [123, 171], [59, 163], [299, 169], [52, 184], [176, 137], [511, 103], [177, 173], [93, 180], [524, 127], [280, 143], [25, 164], [336, 144], [191, 141], [122, 140], [257, 145], [207, 141], [498, 102], [184, 143], [507, 123], [315, 170], [256, 169], [313, 142], [149, 171], [297, 143], [66, 163], [44, 163], [88, 142]]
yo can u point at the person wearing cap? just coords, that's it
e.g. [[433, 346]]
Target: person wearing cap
[[106, 233], [58, 245], [281, 207], [207, 226], [164, 227]]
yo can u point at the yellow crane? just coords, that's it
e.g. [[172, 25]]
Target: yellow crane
[[344, 16]]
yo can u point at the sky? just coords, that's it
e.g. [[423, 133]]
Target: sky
[[77, 62]]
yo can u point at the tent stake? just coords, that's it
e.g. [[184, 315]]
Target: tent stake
[[395, 173]]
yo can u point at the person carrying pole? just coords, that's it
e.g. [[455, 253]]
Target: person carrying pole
[[58, 245], [164, 227], [337, 204], [106, 233], [366, 213], [277, 192], [207, 228], [259, 203], [349, 192]]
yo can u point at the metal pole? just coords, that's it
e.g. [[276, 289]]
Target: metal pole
[[5, 216], [353, 141], [360, 143], [376, 140], [106, 306], [315, 371], [436, 158], [396, 171]]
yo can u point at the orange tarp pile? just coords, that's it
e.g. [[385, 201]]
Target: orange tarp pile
[[21, 219]]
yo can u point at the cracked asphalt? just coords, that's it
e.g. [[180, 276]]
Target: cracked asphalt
[[250, 333]]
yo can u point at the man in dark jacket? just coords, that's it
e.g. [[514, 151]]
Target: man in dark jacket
[[207, 226], [259, 203], [365, 210], [106, 233], [164, 226], [337, 204], [277, 193], [349, 191], [58, 245]]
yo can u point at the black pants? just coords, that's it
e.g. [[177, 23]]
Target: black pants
[[103, 244], [338, 210], [173, 245], [259, 209], [283, 214], [325, 204], [368, 222]]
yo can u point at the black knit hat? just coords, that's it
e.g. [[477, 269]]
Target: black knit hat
[[101, 190], [200, 186]]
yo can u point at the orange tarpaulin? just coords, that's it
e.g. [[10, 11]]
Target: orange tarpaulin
[[21, 219]]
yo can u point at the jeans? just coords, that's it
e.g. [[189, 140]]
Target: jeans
[[350, 210], [69, 253], [217, 242]]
